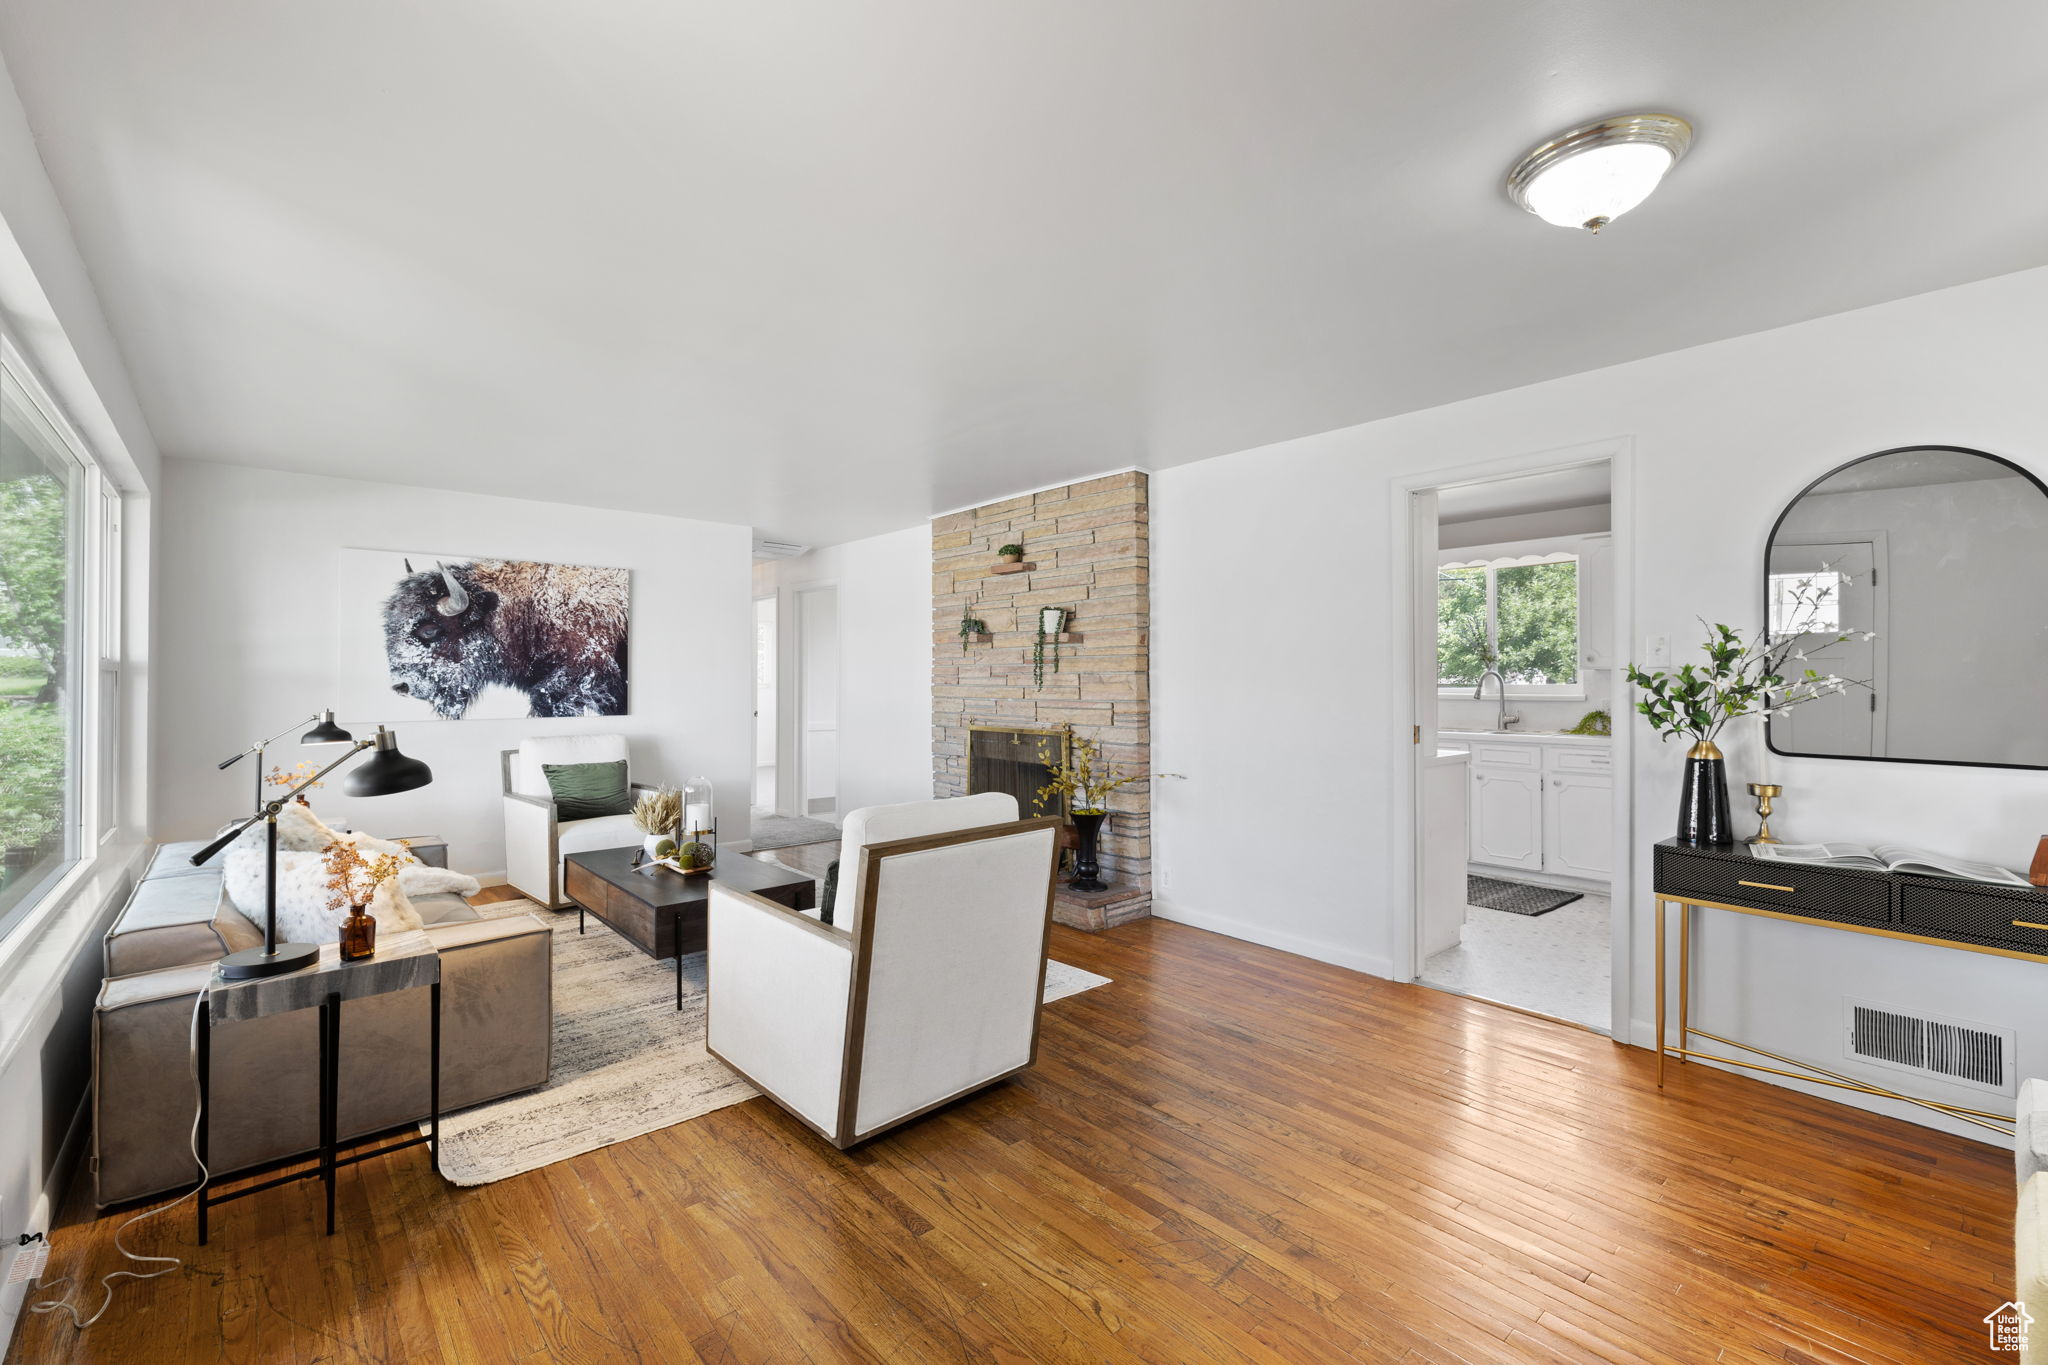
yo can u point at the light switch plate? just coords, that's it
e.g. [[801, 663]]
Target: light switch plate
[[1657, 651]]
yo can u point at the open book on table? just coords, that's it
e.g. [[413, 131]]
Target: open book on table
[[1887, 858]]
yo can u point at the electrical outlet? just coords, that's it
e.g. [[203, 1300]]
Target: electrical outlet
[[28, 1265], [1656, 651]]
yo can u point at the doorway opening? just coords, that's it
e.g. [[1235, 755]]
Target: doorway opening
[[1518, 790]]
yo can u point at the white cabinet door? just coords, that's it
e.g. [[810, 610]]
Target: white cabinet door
[[1507, 818], [1596, 601], [1578, 824]]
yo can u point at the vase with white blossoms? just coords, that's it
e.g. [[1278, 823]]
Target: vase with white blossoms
[[1767, 674]]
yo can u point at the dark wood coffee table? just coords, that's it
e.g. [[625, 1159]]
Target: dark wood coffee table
[[662, 913]]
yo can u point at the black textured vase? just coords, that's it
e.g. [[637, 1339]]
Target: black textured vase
[[1703, 814], [1088, 826]]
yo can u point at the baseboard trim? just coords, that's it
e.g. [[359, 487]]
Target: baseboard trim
[[1544, 879], [1372, 964]]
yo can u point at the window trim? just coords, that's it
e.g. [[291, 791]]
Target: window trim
[[94, 598], [1519, 554]]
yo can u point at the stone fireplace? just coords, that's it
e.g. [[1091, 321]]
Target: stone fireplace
[[1086, 549]]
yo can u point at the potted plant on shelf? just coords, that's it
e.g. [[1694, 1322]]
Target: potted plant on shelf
[[970, 626], [657, 814], [1011, 554], [1767, 675], [1087, 783]]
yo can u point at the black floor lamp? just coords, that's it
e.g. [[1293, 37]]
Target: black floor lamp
[[387, 772]]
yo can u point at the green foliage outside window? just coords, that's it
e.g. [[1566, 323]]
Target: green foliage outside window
[[1534, 630], [33, 563], [31, 774], [1463, 646]]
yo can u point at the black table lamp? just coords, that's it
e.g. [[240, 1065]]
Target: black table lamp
[[387, 772]]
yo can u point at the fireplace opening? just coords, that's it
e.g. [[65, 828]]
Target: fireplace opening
[[1017, 760]]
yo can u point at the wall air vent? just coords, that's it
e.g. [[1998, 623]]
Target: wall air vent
[[1950, 1049], [778, 549]]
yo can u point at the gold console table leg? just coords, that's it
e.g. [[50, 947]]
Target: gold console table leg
[[1806, 1071], [1660, 993], [1684, 979]]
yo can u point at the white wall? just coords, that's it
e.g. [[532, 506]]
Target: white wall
[[248, 585], [885, 659], [50, 967], [1284, 638]]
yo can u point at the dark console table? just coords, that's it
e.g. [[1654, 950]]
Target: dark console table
[[1977, 917]]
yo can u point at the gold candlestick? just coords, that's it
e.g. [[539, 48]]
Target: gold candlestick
[[1763, 792]]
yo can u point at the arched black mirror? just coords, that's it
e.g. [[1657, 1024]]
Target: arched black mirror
[[1934, 560]]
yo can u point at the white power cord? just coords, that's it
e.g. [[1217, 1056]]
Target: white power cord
[[107, 1280]]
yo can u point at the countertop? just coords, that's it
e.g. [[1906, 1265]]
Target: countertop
[[1469, 737]]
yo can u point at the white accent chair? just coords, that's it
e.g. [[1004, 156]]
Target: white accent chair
[[926, 988], [536, 840]]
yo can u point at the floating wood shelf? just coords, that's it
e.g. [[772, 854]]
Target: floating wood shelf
[[1025, 567], [1066, 637]]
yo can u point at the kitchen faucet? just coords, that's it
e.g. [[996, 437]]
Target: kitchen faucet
[[1501, 720]]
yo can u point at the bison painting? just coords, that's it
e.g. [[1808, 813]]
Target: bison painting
[[555, 633]]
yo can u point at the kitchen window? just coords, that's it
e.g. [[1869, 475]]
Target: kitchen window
[[1519, 618]]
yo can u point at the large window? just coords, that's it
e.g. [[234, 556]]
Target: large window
[[1520, 619], [52, 527]]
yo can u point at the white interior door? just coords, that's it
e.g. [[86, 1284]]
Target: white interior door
[[764, 704], [1422, 527], [818, 698], [1851, 722]]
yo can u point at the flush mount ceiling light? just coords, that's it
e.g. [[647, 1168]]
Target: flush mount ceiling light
[[1590, 176]]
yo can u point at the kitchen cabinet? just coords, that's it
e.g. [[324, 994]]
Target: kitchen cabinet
[[1541, 804], [1507, 817]]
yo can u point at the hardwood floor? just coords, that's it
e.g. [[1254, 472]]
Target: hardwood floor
[[1229, 1154]]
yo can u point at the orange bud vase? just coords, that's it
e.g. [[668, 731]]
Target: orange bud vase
[[358, 935]]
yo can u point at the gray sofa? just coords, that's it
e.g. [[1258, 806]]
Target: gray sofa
[[497, 1011]]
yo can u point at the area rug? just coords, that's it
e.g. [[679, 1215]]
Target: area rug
[[626, 1061], [787, 831], [1517, 898]]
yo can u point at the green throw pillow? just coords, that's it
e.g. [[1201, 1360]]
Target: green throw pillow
[[584, 791]]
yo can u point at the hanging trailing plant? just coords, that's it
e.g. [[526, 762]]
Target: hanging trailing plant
[[970, 626], [1051, 621]]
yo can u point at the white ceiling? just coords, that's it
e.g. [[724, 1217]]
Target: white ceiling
[[826, 266]]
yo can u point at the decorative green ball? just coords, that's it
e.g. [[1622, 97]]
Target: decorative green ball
[[665, 849], [695, 854]]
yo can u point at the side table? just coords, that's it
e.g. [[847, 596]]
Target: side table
[[403, 962]]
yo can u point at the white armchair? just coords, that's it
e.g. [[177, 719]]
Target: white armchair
[[926, 989], [536, 840]]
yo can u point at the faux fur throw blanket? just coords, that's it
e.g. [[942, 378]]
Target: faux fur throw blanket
[[303, 912]]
